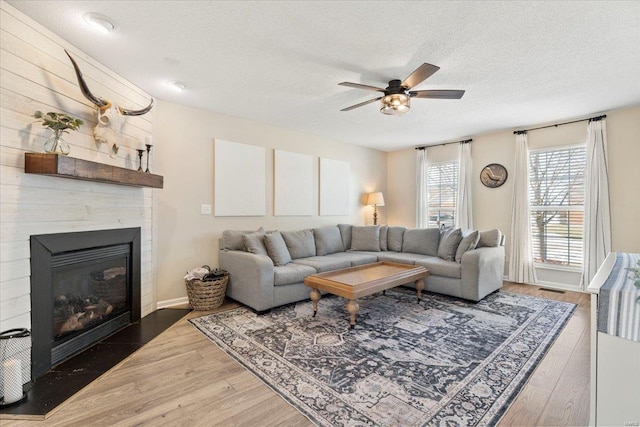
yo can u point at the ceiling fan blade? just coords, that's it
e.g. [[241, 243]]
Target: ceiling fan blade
[[359, 86], [421, 73], [438, 94], [361, 104]]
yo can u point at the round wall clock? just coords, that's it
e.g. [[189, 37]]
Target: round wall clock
[[493, 175]]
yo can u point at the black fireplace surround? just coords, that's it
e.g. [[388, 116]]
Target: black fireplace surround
[[84, 287]]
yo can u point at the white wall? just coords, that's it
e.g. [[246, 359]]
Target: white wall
[[37, 75], [492, 207], [184, 138]]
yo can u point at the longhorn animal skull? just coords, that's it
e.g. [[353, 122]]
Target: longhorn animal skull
[[110, 116]]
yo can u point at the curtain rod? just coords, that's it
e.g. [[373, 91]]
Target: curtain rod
[[464, 141], [592, 119]]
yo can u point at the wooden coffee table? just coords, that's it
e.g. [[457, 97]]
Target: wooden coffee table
[[356, 282]]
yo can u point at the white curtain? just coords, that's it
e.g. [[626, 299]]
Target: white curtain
[[520, 250], [422, 219], [597, 219], [464, 213]]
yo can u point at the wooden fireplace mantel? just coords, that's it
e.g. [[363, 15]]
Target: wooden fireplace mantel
[[69, 167]]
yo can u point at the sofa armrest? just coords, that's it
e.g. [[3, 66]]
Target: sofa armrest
[[482, 272], [250, 278]]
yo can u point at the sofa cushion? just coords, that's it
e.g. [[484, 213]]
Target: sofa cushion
[[469, 241], [423, 241], [383, 237], [345, 234], [400, 257], [291, 273], [328, 240], [254, 242], [277, 248], [300, 243], [356, 258], [440, 267], [394, 238], [449, 241], [365, 238], [324, 263], [489, 238], [232, 239]]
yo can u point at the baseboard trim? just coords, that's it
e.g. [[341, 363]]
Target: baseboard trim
[[172, 302], [559, 286]]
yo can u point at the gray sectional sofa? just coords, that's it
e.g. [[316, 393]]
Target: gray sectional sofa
[[267, 269]]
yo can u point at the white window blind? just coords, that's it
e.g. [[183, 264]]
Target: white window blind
[[556, 200], [442, 191]]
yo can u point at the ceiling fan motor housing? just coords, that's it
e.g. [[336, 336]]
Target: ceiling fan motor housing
[[395, 86]]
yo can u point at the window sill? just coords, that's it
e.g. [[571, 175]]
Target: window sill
[[557, 267]]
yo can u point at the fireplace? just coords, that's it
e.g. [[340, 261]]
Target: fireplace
[[84, 287]]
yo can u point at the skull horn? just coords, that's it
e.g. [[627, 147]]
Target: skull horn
[[99, 102], [145, 110]]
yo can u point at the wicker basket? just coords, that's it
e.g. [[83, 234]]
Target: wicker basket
[[207, 295]]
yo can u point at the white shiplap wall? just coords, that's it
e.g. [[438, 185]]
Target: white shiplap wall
[[35, 74]]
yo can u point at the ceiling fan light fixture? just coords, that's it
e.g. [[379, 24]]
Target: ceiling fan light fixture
[[395, 104]]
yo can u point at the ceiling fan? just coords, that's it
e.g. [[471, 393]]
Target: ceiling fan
[[395, 100]]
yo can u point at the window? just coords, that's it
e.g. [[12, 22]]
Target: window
[[442, 191], [556, 201]]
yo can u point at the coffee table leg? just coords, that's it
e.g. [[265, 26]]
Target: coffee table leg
[[315, 297], [352, 308], [419, 288]]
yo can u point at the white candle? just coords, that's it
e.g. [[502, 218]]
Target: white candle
[[12, 380]]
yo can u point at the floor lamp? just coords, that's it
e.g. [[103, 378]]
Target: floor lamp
[[375, 199]]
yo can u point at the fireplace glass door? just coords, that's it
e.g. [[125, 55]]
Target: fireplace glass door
[[88, 294]]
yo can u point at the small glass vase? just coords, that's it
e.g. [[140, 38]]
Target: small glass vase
[[57, 145]]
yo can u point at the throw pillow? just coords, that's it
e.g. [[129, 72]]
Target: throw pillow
[[254, 242], [469, 241], [365, 238], [423, 241], [449, 242], [383, 237], [490, 238], [232, 239], [328, 240], [300, 243], [277, 249], [345, 234], [394, 238]]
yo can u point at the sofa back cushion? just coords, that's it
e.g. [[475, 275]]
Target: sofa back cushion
[[490, 238], [277, 248], [345, 233], [254, 242], [394, 238], [469, 241], [328, 240], [423, 241], [300, 243], [449, 241], [384, 230], [365, 238], [232, 239]]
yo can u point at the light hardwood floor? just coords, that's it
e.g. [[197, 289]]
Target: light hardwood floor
[[181, 378]]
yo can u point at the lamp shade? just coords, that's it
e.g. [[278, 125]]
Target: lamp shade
[[375, 199]]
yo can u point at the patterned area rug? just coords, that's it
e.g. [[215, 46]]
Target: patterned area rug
[[441, 362]]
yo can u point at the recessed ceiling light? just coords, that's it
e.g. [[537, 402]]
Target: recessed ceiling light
[[99, 22], [176, 85]]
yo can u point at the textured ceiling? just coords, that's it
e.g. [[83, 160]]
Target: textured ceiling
[[280, 62]]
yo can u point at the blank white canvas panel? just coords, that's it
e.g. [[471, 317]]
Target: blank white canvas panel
[[240, 174], [293, 184], [334, 187]]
